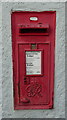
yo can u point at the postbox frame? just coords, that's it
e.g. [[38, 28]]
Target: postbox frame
[[16, 84]]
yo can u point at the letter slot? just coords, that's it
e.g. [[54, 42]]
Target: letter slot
[[36, 30]]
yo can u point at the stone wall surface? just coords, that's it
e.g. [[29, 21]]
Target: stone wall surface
[[7, 78], [0, 60]]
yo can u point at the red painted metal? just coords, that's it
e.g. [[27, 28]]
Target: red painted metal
[[33, 91]]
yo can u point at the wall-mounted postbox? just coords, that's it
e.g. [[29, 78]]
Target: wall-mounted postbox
[[33, 44]]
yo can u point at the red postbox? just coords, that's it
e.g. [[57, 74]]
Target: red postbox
[[33, 46]]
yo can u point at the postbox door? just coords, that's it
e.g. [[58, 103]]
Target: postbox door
[[34, 84]]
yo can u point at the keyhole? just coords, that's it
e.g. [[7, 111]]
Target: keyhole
[[26, 80]]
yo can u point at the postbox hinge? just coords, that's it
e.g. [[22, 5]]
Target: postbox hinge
[[19, 89], [52, 98], [13, 91]]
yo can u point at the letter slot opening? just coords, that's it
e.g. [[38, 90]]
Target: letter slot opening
[[34, 30]]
